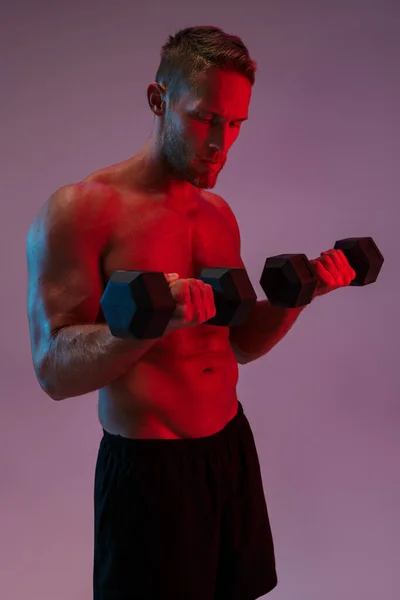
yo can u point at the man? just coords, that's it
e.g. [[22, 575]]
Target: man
[[179, 504]]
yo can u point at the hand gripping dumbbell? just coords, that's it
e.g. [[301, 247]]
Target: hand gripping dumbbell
[[289, 281], [139, 304]]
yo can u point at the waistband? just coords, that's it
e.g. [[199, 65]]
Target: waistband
[[135, 447]]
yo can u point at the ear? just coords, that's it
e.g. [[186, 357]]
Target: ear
[[156, 98]]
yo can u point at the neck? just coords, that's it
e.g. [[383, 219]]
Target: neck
[[154, 174]]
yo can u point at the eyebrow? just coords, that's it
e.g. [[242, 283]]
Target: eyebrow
[[215, 114]]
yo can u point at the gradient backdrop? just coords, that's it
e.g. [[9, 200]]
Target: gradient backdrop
[[318, 161]]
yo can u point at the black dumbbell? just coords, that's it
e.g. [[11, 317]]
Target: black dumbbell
[[234, 295], [289, 281], [139, 304]]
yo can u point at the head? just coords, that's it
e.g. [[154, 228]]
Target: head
[[200, 99]]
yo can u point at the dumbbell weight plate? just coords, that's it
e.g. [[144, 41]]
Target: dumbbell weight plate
[[137, 304], [288, 280], [234, 295], [364, 257]]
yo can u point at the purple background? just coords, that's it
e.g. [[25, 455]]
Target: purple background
[[317, 161]]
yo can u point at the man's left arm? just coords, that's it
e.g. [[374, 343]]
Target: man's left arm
[[268, 324], [263, 329]]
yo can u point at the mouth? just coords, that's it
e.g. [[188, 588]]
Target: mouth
[[211, 163]]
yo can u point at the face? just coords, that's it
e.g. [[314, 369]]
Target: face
[[198, 132]]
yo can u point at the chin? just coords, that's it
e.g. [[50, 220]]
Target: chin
[[203, 183]]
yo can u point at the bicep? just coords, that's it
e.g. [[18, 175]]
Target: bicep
[[228, 214], [230, 219], [64, 279]]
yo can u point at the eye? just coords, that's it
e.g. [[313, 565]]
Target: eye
[[205, 117]]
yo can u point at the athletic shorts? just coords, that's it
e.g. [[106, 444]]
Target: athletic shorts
[[182, 519]]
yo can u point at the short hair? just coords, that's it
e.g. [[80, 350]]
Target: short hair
[[194, 50]]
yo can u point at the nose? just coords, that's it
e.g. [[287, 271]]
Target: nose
[[219, 140]]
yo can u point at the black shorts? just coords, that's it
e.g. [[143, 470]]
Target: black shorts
[[182, 519]]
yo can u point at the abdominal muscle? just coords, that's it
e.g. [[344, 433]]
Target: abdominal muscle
[[170, 394]]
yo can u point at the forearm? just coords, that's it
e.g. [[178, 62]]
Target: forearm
[[85, 358], [264, 328]]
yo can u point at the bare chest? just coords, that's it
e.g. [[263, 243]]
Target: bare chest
[[151, 237]]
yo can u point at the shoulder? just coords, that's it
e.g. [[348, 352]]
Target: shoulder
[[224, 209], [87, 208], [215, 199], [78, 198]]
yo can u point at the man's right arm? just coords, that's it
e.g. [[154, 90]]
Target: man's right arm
[[72, 354], [85, 358]]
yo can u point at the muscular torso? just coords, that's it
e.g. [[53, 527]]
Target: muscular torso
[[185, 385]]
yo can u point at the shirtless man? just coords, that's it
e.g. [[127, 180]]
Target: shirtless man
[[179, 507]]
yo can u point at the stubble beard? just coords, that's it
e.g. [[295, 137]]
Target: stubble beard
[[178, 157]]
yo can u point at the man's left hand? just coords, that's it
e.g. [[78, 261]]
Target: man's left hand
[[333, 271]]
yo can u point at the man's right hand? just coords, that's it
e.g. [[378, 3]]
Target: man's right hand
[[194, 302]]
